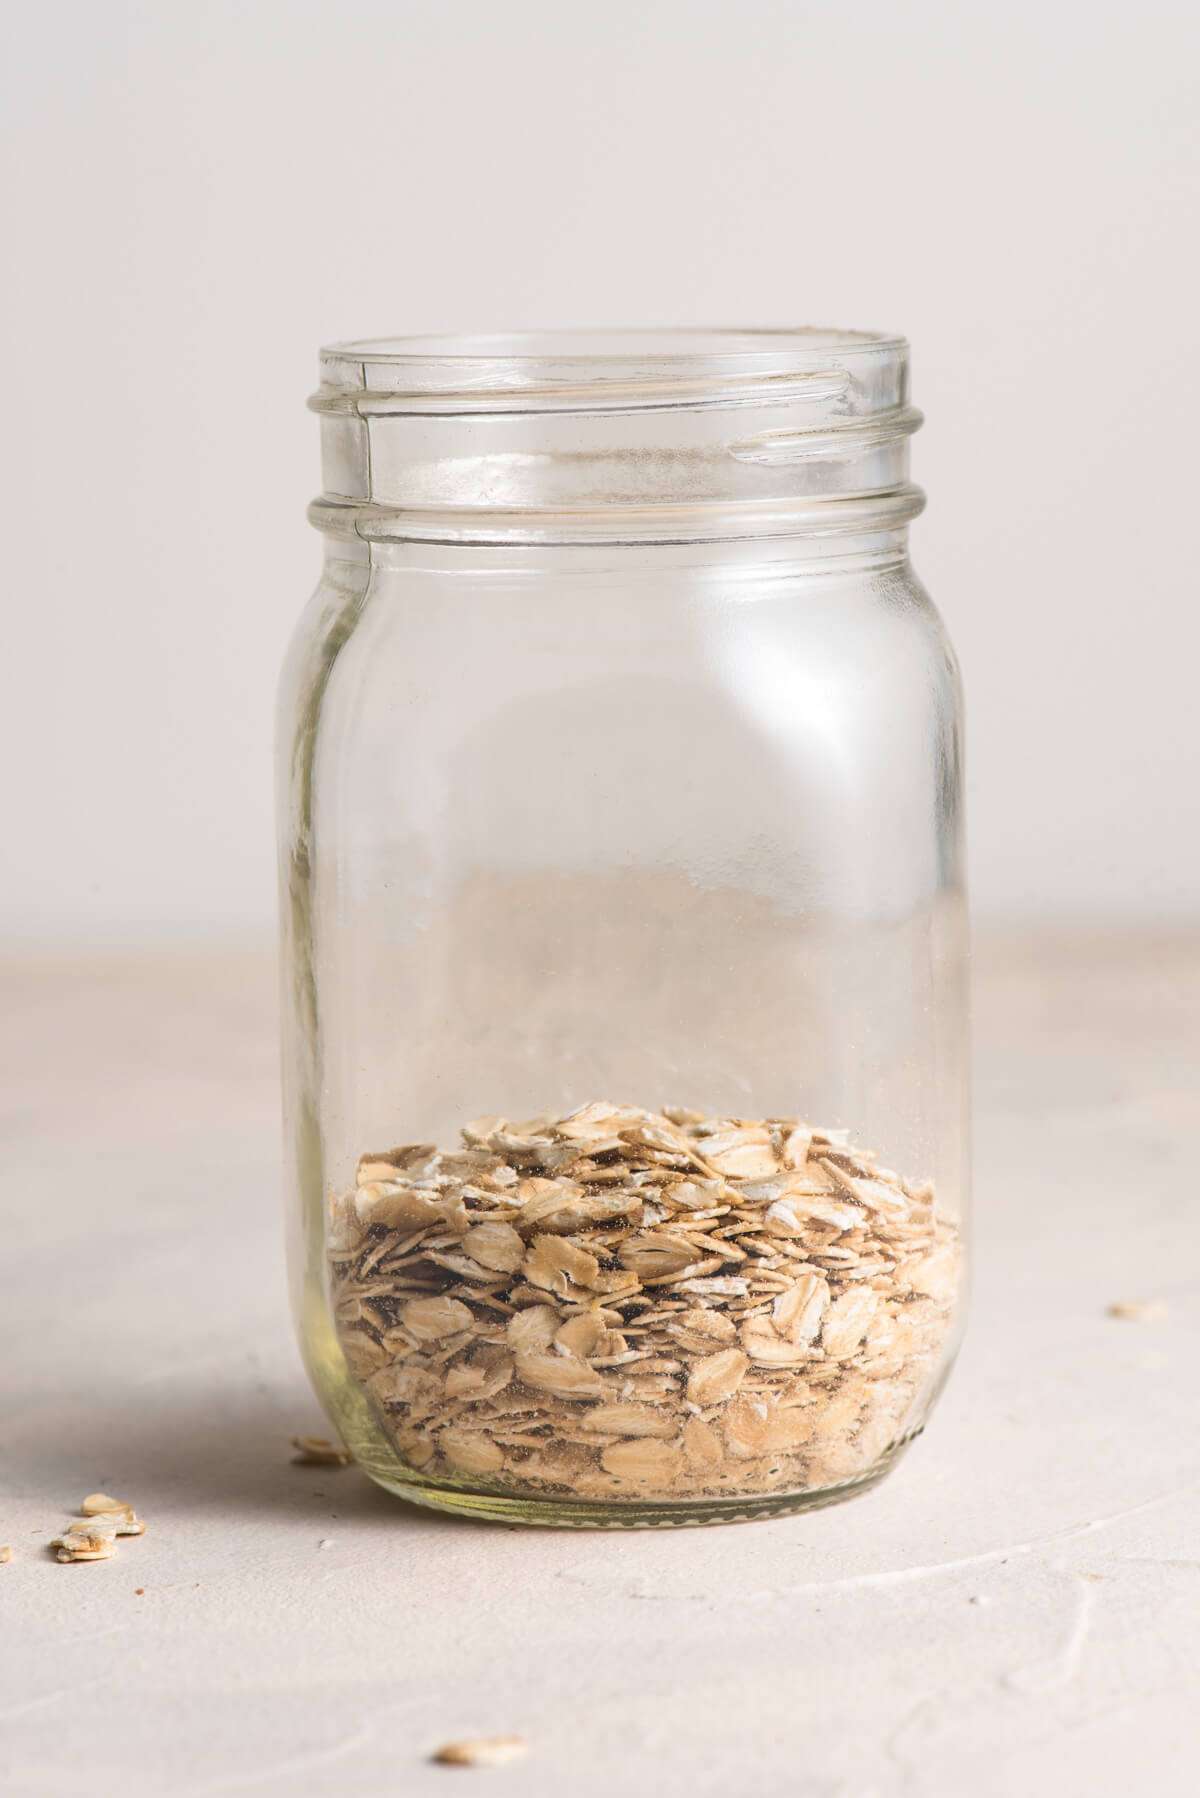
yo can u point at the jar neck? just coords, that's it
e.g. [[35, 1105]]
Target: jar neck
[[668, 438], [753, 562]]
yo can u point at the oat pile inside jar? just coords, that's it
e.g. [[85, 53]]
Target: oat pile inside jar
[[624, 1304]]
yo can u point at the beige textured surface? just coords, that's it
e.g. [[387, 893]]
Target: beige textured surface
[[1016, 1610]]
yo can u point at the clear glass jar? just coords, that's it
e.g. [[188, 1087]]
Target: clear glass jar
[[622, 880]]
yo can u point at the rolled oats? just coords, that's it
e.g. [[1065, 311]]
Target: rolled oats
[[628, 1420], [716, 1377], [125, 1519], [483, 1751], [94, 1541], [101, 1505], [621, 1304], [317, 1451], [1138, 1311], [93, 1537]]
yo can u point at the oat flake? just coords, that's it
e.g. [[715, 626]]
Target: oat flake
[[624, 1305]]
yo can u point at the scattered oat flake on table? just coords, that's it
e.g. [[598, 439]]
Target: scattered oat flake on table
[[93, 1537], [318, 1451], [5, 1554], [92, 1540], [99, 1504], [1139, 1311], [482, 1751]]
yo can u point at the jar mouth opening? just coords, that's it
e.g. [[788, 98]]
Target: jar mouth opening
[[575, 367], [617, 344]]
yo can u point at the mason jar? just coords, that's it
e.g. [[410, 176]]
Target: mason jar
[[624, 944]]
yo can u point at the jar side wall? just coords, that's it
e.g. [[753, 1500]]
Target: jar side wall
[[631, 835], [321, 636], [792, 759]]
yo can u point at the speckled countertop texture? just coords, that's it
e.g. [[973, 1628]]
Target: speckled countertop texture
[[1017, 1610]]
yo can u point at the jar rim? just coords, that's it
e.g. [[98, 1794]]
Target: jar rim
[[574, 369], [607, 344]]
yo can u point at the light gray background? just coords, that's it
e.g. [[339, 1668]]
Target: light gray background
[[197, 195]]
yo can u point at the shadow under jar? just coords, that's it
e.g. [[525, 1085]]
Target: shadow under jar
[[624, 926]]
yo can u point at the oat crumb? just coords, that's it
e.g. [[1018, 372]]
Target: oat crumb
[[95, 1540], [99, 1504], [482, 1751], [93, 1536], [1138, 1311], [318, 1451]]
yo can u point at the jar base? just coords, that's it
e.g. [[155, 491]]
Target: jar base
[[582, 1514]]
